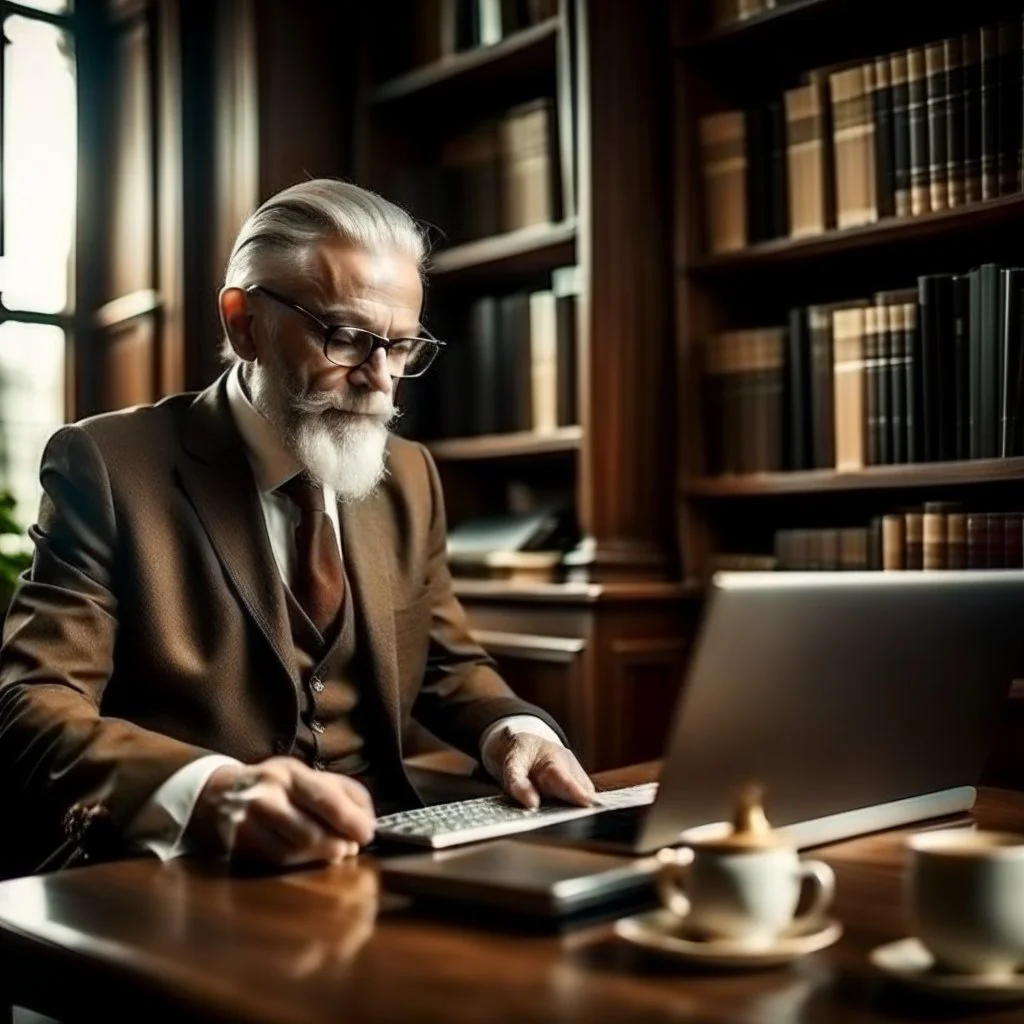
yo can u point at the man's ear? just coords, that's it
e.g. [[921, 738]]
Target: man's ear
[[237, 321]]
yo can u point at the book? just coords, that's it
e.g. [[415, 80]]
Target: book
[[955, 122], [989, 107], [565, 285], [934, 553], [913, 524], [977, 541], [544, 360], [894, 545], [917, 116], [527, 166], [899, 75], [853, 146], [798, 425], [937, 101], [872, 386], [935, 306], [471, 178], [849, 384], [515, 395], [885, 141], [985, 340], [956, 539], [724, 162], [961, 443], [1009, 104], [808, 177], [1011, 376], [484, 333], [971, 48]]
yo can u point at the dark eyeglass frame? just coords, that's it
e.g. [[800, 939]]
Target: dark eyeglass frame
[[328, 331]]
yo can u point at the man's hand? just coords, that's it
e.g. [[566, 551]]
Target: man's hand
[[533, 767], [294, 815]]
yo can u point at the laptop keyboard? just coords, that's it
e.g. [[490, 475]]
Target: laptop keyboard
[[469, 821]]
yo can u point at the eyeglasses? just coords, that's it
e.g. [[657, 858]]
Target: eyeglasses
[[352, 346]]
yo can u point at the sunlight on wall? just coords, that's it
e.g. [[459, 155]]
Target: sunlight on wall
[[39, 205]]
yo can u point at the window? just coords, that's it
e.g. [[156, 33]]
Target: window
[[37, 209]]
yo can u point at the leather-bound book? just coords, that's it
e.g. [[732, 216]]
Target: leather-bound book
[[913, 524], [806, 149], [885, 139], [798, 427], [935, 543], [920, 153], [989, 99], [565, 285], [956, 539], [1011, 357], [961, 382], [875, 561], [955, 121], [977, 540], [853, 133], [724, 160], [849, 382], [894, 542], [872, 384], [985, 325], [899, 76], [1010, 107], [1013, 541], [971, 47], [937, 99]]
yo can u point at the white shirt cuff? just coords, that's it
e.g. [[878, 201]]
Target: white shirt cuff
[[517, 724], [160, 826]]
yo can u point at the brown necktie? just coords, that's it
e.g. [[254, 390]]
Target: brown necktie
[[319, 584]]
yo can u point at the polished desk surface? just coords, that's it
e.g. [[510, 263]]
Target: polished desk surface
[[327, 945]]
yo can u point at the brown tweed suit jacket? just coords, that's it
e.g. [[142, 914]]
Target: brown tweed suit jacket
[[152, 627]]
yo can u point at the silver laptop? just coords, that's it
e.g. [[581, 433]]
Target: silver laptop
[[862, 701]]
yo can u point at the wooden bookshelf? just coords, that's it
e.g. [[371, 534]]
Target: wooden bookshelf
[[526, 54], [943, 225], [615, 632], [874, 478], [507, 446], [513, 255]]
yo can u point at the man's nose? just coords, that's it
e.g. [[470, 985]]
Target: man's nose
[[373, 374]]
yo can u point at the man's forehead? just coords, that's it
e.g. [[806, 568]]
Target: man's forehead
[[341, 278]]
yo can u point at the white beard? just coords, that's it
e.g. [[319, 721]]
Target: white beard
[[340, 441]]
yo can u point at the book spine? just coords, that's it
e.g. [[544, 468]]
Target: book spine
[[913, 379], [1009, 354], [871, 384], [970, 45], [1009, 33], [977, 541], [885, 373], [544, 360], [848, 335], [899, 402], [894, 545], [917, 107], [914, 527], [956, 540], [961, 365], [565, 285], [995, 533], [885, 181], [955, 122], [937, 102], [875, 557], [851, 124], [900, 132], [805, 153], [989, 56], [934, 555], [820, 324], [799, 428], [1013, 541], [724, 159], [989, 362]]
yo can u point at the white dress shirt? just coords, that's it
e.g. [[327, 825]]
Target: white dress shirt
[[160, 825]]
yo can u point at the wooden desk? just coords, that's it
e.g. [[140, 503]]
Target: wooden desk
[[324, 945]]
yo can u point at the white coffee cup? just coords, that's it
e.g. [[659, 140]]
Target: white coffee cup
[[746, 896], [965, 899]]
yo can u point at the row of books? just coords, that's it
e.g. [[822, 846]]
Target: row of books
[[448, 27], [500, 175], [512, 367], [929, 128], [929, 374], [934, 537]]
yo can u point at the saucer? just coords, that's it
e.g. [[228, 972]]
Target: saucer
[[910, 962], [663, 932]]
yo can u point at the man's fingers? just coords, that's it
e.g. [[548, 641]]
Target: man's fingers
[[334, 804], [272, 808], [358, 792], [563, 779], [517, 782]]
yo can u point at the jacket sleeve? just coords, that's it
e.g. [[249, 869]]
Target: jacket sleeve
[[74, 778], [462, 693]]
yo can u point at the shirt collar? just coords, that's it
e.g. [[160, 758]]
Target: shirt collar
[[272, 464]]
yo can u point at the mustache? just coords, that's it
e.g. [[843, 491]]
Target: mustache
[[375, 404]]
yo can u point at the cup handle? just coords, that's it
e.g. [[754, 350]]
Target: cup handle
[[670, 893], [823, 879]]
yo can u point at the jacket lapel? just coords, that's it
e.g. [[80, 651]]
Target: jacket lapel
[[218, 480], [366, 548]]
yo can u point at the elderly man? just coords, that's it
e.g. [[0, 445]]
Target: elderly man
[[251, 582]]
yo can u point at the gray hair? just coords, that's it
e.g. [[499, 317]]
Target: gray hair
[[285, 229]]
